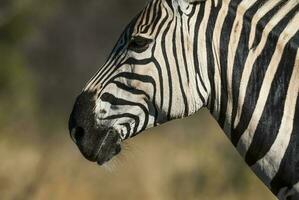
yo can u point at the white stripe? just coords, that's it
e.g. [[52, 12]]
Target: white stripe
[[261, 13], [216, 51], [296, 187], [247, 136], [202, 51], [270, 163], [232, 48], [254, 53]]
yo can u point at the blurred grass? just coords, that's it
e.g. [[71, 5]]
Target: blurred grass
[[48, 49]]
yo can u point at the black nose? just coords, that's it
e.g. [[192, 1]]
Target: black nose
[[77, 134], [76, 131], [81, 118]]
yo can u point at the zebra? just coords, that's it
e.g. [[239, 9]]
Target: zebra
[[238, 58]]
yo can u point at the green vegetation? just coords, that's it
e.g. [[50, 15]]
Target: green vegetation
[[16, 81]]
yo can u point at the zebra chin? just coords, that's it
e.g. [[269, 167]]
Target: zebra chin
[[101, 147], [109, 147]]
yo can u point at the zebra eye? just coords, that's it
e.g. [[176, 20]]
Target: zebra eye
[[139, 44]]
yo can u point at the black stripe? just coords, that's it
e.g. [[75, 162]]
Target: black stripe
[[146, 23], [158, 15], [174, 50], [184, 51], [240, 59], [223, 55], [132, 90], [287, 174], [142, 78], [158, 67], [153, 111], [161, 88], [128, 127], [134, 76], [125, 115], [210, 55], [264, 21], [270, 120], [195, 53], [111, 70], [169, 2], [164, 52], [141, 19], [257, 75], [134, 61], [190, 16], [107, 97]]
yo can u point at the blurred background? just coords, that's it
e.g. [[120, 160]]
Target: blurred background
[[48, 50]]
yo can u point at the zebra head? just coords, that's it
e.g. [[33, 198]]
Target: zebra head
[[149, 78]]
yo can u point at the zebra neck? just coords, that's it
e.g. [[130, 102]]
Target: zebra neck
[[252, 60]]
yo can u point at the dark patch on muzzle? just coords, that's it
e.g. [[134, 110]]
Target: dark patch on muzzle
[[96, 143]]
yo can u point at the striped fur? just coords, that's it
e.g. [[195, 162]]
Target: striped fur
[[237, 57]]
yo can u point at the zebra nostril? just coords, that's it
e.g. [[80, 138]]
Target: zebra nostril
[[77, 134]]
